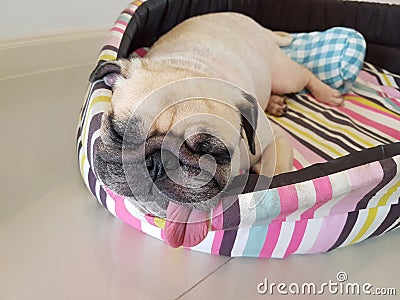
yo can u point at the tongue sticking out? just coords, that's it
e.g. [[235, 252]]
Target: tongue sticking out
[[185, 226]]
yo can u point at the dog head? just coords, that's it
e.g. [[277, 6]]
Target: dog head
[[172, 145]]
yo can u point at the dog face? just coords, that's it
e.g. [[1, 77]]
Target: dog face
[[178, 143]]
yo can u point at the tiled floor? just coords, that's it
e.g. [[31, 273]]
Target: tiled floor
[[58, 243]]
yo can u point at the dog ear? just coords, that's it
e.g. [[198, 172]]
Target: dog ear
[[249, 112], [109, 71]]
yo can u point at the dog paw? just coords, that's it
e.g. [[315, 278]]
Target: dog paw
[[325, 93], [277, 106]]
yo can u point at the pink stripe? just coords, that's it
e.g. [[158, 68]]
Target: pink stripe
[[323, 193], [390, 91], [297, 237], [217, 224], [289, 201], [368, 77], [310, 156], [217, 242], [395, 133], [113, 41], [130, 10], [118, 29], [355, 102], [329, 232], [122, 212], [297, 165], [121, 22], [271, 240], [363, 179]]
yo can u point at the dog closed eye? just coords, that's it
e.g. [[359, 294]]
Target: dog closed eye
[[204, 143]]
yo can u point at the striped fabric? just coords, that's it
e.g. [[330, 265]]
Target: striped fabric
[[308, 217], [370, 117]]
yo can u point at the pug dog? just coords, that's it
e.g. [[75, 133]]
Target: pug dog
[[174, 159]]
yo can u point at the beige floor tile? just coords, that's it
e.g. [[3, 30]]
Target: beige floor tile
[[32, 55], [39, 117]]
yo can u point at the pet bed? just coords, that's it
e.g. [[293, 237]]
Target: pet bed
[[346, 185]]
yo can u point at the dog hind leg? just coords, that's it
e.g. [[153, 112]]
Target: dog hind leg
[[290, 77]]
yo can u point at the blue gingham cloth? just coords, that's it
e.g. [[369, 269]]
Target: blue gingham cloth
[[335, 56]]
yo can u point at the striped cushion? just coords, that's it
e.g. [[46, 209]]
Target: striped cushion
[[369, 118], [310, 216]]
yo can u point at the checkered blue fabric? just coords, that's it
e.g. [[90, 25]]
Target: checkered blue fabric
[[335, 56]]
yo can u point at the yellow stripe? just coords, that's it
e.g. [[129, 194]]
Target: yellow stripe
[[310, 137], [83, 162], [370, 104], [138, 3], [333, 126], [373, 211], [107, 57], [388, 194], [160, 223], [98, 99], [368, 222], [95, 100], [386, 79]]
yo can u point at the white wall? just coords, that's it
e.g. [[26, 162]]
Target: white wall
[[20, 18]]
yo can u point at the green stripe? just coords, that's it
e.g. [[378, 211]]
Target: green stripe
[[268, 207]]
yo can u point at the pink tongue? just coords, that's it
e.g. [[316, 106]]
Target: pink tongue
[[185, 226]]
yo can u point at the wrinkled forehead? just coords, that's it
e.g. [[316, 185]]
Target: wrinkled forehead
[[129, 95], [199, 100]]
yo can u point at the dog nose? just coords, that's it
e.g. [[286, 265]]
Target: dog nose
[[158, 162]]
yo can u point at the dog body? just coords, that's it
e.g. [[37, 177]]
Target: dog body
[[228, 47]]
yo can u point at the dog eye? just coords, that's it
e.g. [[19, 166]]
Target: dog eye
[[204, 143]]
